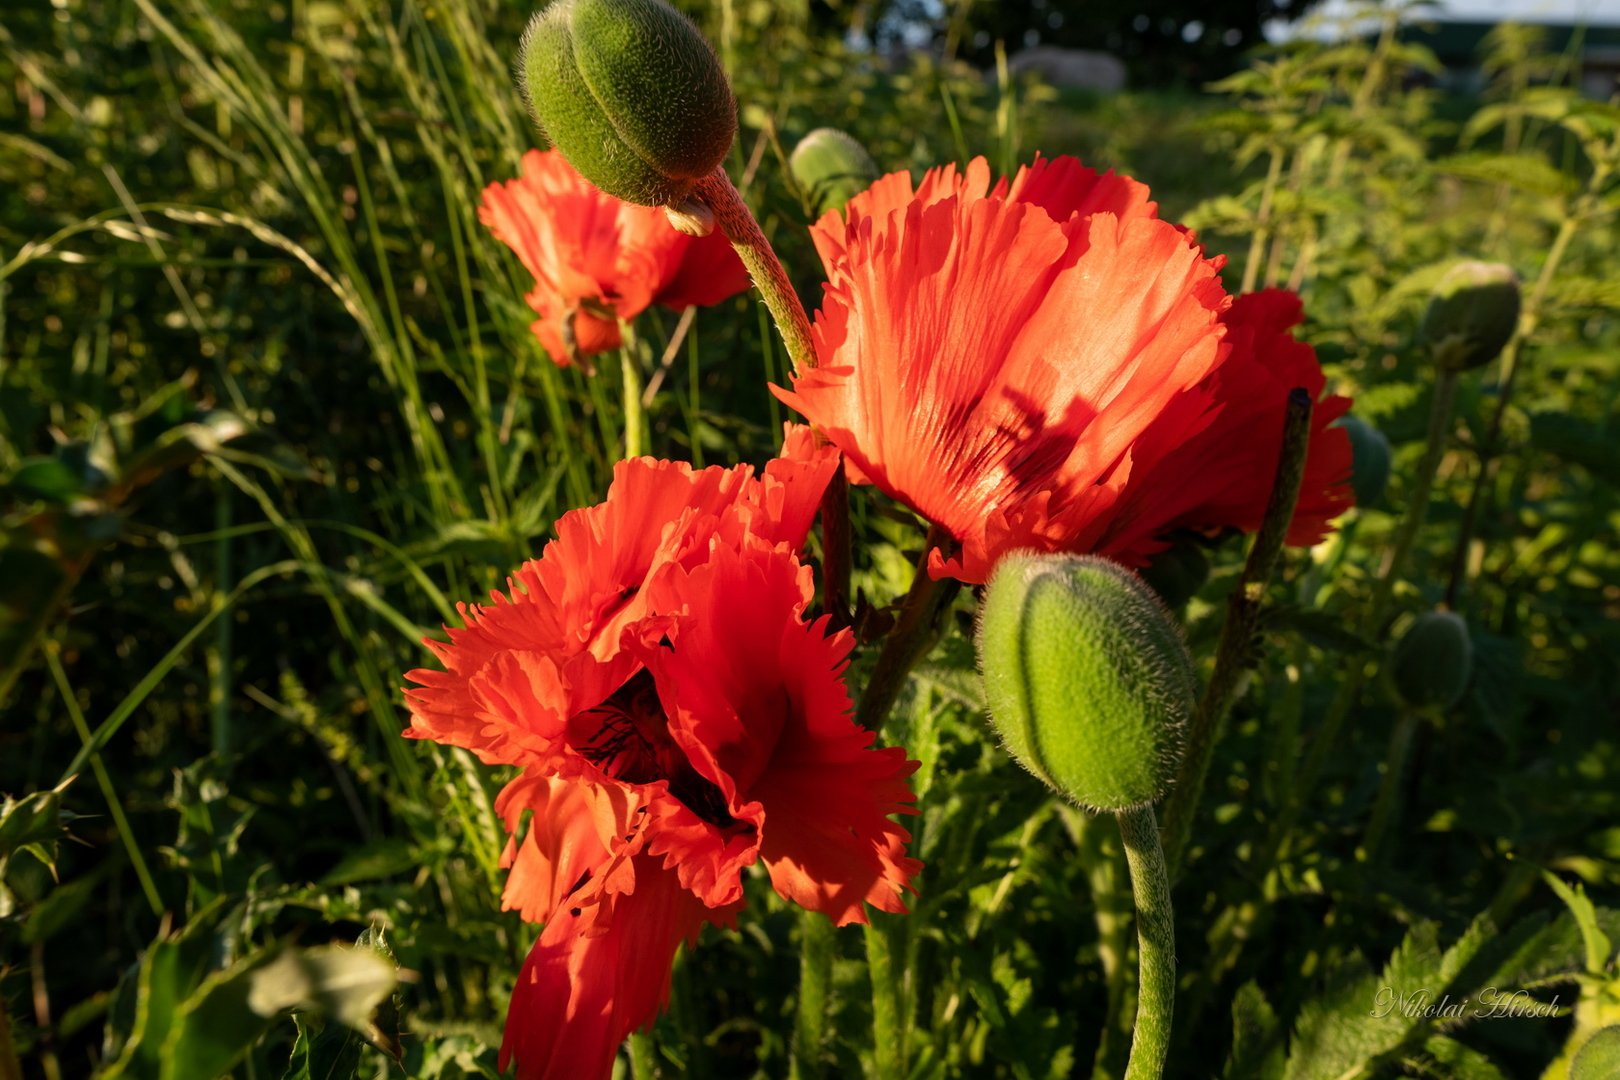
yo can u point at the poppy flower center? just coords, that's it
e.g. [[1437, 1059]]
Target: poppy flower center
[[627, 737]]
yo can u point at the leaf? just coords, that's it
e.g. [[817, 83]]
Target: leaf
[[959, 684], [1455, 1061], [1257, 1044], [1385, 399], [382, 859], [323, 1052], [32, 819], [218, 1025], [1575, 294], [1521, 172], [1598, 946], [49, 480], [1346, 1030]]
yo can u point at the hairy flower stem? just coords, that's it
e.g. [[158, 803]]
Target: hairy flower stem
[[635, 421], [1155, 944], [836, 549], [817, 938], [1388, 804], [740, 227], [738, 224], [888, 1038], [1238, 923], [643, 1056], [913, 634], [1237, 632]]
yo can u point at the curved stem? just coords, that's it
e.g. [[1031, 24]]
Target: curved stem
[[1156, 944], [740, 227], [1238, 630], [1237, 924]]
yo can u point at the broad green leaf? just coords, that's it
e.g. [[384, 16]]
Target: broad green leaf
[[1522, 172], [217, 1026], [49, 480], [1257, 1037]]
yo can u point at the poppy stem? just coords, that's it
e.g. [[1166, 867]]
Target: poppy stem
[[1386, 808], [643, 1056], [816, 941], [1233, 653], [1240, 923], [635, 418], [1156, 943], [836, 553], [913, 634], [740, 227]]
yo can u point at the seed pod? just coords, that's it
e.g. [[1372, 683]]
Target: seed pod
[[1087, 678], [1472, 315], [1370, 458], [1178, 572], [1430, 664], [832, 168], [631, 93]]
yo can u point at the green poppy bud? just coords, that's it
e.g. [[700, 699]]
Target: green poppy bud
[[1430, 664], [1370, 460], [1179, 571], [1599, 1059], [1472, 315], [631, 93], [832, 168], [1087, 678]]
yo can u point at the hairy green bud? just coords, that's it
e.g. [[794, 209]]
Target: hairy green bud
[[1431, 662], [1471, 315], [631, 93], [1599, 1059], [832, 168], [1087, 678], [1370, 460]]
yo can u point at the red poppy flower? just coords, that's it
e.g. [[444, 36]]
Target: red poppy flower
[[677, 719], [596, 259], [1030, 365]]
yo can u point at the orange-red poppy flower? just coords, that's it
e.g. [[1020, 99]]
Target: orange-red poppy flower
[[1033, 365], [677, 718], [596, 259]]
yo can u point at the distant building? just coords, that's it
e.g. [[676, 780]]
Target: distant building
[[1588, 31]]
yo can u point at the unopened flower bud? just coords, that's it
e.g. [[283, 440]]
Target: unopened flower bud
[[1472, 315], [832, 168], [1430, 664], [631, 93], [1370, 460], [1087, 678], [1599, 1059]]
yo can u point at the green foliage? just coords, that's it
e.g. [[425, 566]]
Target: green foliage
[[270, 407]]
